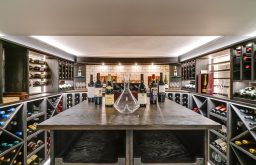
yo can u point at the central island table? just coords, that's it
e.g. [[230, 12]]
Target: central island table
[[144, 137]]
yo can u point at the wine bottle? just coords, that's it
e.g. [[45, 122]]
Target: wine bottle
[[104, 84], [161, 89], [91, 90], [253, 118], [109, 93], [142, 93], [204, 86], [4, 160], [98, 91], [153, 90], [166, 82], [252, 150], [247, 142], [79, 72], [175, 73]]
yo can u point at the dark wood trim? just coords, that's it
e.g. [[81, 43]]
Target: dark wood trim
[[98, 60], [1, 72]]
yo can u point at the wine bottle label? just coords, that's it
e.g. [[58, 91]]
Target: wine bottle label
[[109, 99], [98, 92], [90, 92], [161, 88], [142, 98]]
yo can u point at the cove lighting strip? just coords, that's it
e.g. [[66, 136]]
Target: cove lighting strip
[[195, 44], [52, 42]]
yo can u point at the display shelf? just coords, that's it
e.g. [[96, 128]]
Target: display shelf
[[241, 116], [16, 155], [218, 134], [244, 151], [10, 134], [34, 134], [35, 116], [10, 149], [240, 135], [218, 116], [12, 115], [36, 150]]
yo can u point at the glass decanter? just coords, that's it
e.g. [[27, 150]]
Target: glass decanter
[[126, 102]]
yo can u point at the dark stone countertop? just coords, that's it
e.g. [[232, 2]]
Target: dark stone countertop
[[163, 116]]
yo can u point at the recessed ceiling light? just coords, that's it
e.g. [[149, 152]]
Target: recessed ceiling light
[[50, 41]]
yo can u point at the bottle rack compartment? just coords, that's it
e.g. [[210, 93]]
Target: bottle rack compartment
[[199, 105]]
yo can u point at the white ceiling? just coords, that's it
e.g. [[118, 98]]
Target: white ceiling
[[137, 24], [127, 17], [126, 46]]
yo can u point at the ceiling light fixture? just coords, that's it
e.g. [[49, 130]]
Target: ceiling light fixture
[[195, 44], [50, 41], [1, 34]]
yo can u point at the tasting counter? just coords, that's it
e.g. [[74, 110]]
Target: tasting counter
[[166, 133]]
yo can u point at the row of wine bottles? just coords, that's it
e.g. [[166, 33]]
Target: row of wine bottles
[[223, 130], [35, 109], [69, 101], [32, 126], [6, 160], [217, 159], [188, 70], [37, 61], [248, 144], [6, 145], [220, 110], [157, 91], [220, 144], [243, 61], [5, 115], [246, 93], [38, 68], [39, 76], [34, 160], [66, 70], [250, 116], [34, 144]]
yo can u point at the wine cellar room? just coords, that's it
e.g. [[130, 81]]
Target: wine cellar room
[[147, 82]]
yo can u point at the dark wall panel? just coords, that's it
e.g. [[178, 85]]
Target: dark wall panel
[[16, 70]]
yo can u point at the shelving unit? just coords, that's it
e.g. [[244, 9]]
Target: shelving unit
[[39, 73], [179, 98], [23, 118], [66, 75], [188, 75]]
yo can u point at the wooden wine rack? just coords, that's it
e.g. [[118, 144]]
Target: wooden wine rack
[[236, 155], [20, 114]]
